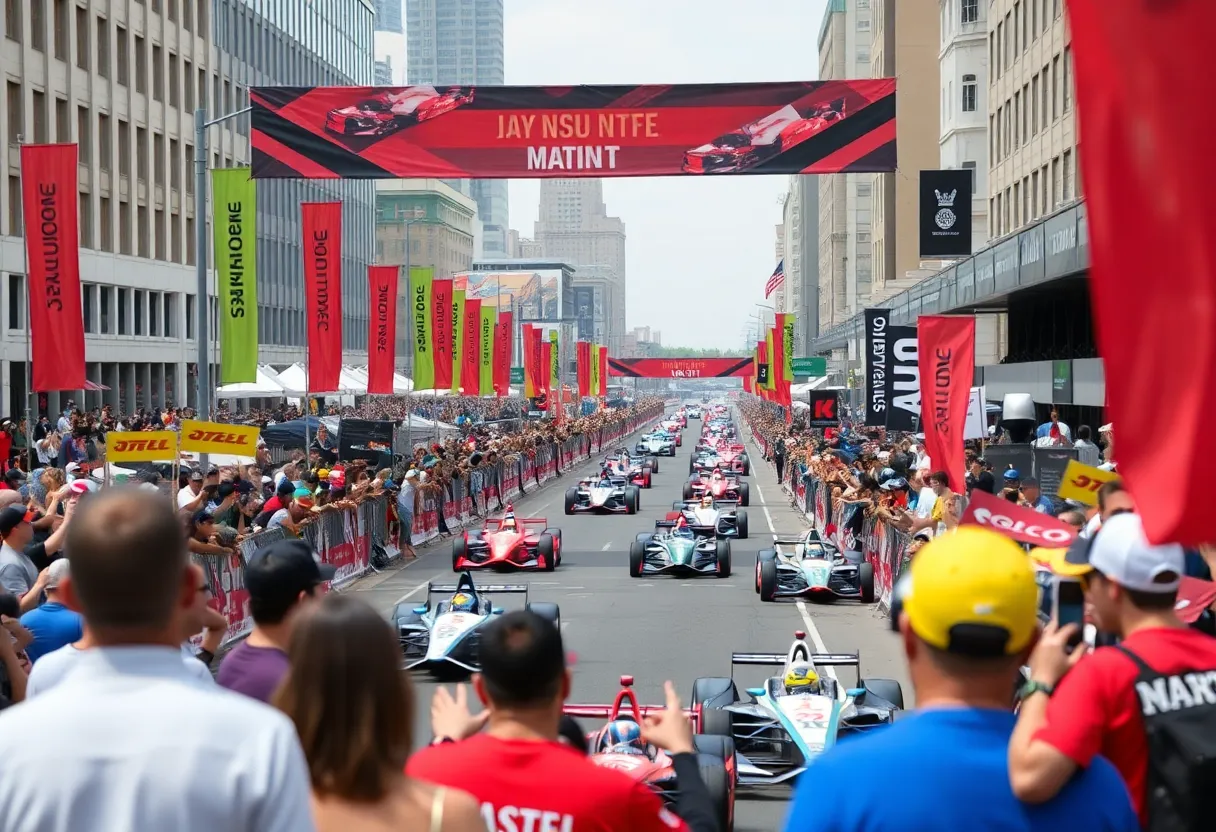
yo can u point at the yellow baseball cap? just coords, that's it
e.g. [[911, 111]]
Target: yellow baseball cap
[[972, 592]]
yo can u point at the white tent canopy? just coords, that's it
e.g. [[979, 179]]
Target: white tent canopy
[[266, 387], [295, 382], [349, 382]]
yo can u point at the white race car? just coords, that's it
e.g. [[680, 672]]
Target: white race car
[[807, 565], [601, 494]]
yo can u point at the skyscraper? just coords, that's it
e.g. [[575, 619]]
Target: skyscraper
[[461, 42], [388, 16]]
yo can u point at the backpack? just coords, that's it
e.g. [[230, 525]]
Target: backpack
[[1179, 711]]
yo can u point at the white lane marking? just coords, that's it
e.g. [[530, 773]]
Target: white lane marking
[[412, 592], [606, 546], [769, 518], [817, 640]]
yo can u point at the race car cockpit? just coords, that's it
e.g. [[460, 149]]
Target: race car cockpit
[[463, 601], [681, 528], [801, 679], [622, 736], [707, 501], [508, 520], [717, 475]]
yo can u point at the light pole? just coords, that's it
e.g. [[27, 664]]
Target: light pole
[[409, 410]]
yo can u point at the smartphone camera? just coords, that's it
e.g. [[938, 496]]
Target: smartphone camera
[[1068, 607]]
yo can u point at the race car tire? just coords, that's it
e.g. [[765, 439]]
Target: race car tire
[[865, 580], [747, 464], [692, 464], [722, 556], [712, 693], [643, 537], [546, 610], [717, 782], [717, 746], [679, 440], [768, 580], [888, 690], [547, 553], [761, 556], [571, 500], [745, 496], [460, 549], [688, 491], [741, 523], [637, 558], [647, 473], [654, 464], [633, 499], [557, 543]]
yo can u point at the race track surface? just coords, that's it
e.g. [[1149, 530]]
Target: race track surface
[[659, 628]]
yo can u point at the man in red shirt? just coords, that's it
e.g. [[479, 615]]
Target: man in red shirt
[[1078, 705], [524, 778]]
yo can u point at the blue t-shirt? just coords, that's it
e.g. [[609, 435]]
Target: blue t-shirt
[[946, 769], [53, 626]]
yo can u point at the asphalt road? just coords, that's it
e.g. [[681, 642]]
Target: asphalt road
[[663, 627]]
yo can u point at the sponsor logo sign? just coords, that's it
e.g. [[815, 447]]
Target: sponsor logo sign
[[1081, 482], [825, 408], [876, 366], [141, 446], [1025, 525], [945, 213], [217, 438]]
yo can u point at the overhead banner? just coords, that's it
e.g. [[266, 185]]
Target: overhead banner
[[422, 332], [458, 307], [562, 132], [382, 338], [470, 356], [234, 216], [946, 350], [680, 367], [52, 246], [503, 349], [876, 366], [219, 438], [141, 446], [441, 321], [485, 361], [593, 369], [322, 225], [945, 212], [903, 379]]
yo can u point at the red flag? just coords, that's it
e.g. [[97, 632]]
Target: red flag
[[545, 360], [1149, 178], [322, 225], [441, 327], [52, 245], [603, 391], [539, 379], [502, 354], [470, 362], [945, 346], [382, 339], [583, 358]]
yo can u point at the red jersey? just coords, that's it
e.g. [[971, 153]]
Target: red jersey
[[1095, 709], [528, 786]]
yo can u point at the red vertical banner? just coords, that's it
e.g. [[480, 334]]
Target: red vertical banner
[[470, 368], [583, 367], [777, 365], [441, 326], [382, 339], [322, 228], [502, 353], [946, 347], [52, 245], [526, 344], [549, 395], [533, 370], [603, 358]]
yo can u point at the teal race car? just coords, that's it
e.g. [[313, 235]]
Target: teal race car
[[673, 549]]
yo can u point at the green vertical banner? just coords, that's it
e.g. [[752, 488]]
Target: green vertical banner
[[555, 367], [489, 318], [457, 336], [787, 339], [421, 330], [234, 209]]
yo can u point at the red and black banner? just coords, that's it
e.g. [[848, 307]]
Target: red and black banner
[[322, 222], [563, 132], [680, 367], [382, 340], [52, 246]]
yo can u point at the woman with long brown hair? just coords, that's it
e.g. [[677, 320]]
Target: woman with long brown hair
[[353, 706]]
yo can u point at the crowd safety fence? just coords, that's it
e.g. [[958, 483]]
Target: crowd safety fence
[[845, 525], [369, 535]]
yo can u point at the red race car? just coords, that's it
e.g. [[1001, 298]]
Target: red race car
[[393, 109], [734, 457], [509, 543], [762, 139], [718, 486], [619, 745]]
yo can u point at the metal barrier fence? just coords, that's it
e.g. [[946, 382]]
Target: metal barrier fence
[[354, 539]]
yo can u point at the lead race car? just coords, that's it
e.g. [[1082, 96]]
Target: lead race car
[[603, 494], [809, 566], [509, 543], [780, 727], [708, 517], [673, 549], [445, 636], [717, 485], [619, 745]]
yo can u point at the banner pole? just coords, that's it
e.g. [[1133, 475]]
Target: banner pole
[[30, 451], [203, 307]]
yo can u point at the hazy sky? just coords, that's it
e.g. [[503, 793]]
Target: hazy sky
[[698, 250]]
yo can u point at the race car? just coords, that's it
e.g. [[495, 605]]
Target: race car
[[728, 458], [807, 565], [658, 443], [718, 486], [673, 427], [694, 412], [508, 543], [601, 494], [761, 139], [673, 548], [619, 745], [780, 727], [444, 636], [390, 110], [620, 464], [708, 517]]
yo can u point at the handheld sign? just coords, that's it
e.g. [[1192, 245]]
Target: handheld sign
[[1081, 482], [1025, 525], [141, 446], [219, 438]]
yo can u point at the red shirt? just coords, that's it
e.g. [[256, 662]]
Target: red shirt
[[1095, 709], [527, 786], [273, 504]]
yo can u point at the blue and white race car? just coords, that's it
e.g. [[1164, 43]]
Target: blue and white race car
[[780, 727], [445, 636], [808, 565], [658, 443]]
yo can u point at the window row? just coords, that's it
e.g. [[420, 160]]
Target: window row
[[117, 310], [1023, 24], [1032, 109], [1036, 195]]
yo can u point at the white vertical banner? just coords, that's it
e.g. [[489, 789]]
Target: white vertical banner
[[977, 415]]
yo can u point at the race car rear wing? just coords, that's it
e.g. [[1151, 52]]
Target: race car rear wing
[[820, 659], [481, 588], [626, 704]]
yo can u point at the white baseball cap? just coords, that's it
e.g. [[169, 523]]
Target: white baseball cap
[[1122, 553]]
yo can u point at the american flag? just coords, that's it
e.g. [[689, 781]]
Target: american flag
[[777, 278]]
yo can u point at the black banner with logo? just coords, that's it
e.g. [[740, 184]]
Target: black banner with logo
[[877, 367], [366, 439], [903, 379], [1049, 465], [825, 409], [945, 212]]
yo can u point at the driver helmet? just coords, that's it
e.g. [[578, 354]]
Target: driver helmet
[[717, 473], [508, 518], [463, 602], [682, 526], [801, 678], [707, 501], [621, 736]]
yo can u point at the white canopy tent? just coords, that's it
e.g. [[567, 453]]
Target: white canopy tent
[[349, 382], [266, 387], [401, 385], [294, 379]]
